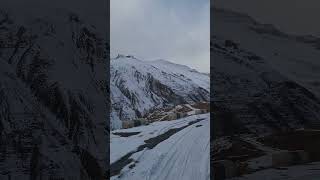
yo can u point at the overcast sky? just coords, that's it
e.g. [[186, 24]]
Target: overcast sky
[[174, 30], [292, 16]]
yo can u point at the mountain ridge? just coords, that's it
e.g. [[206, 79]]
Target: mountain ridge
[[144, 85]]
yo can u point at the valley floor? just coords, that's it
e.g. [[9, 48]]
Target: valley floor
[[283, 156], [170, 150], [301, 172]]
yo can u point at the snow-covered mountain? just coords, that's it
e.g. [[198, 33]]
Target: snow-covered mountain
[[264, 80], [53, 124], [139, 86]]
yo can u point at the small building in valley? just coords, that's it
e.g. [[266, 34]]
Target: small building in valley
[[134, 123], [169, 116], [197, 111], [127, 124], [181, 114]]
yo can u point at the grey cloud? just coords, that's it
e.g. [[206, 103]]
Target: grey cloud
[[174, 30]]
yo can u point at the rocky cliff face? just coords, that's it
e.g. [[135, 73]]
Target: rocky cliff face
[[53, 100], [139, 86]]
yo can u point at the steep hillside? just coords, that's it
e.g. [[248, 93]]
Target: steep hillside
[[139, 86], [264, 80], [264, 83], [53, 100]]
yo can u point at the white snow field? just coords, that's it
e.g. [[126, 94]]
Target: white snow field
[[184, 155]]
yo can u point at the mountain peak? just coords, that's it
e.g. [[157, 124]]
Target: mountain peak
[[125, 56]]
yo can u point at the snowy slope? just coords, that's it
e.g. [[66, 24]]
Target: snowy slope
[[295, 57], [139, 86], [184, 155], [264, 80], [53, 126], [123, 145]]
